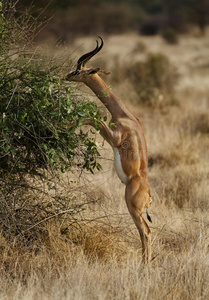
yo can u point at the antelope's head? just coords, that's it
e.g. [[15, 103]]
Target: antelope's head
[[81, 70]]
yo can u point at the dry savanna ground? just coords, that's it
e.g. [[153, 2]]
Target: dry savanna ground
[[99, 255]]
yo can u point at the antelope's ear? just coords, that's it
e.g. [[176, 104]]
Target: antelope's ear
[[98, 71], [79, 74], [101, 72], [92, 71]]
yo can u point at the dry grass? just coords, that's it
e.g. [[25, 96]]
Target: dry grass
[[99, 256], [179, 271]]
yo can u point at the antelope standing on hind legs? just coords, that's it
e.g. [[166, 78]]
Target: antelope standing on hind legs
[[127, 139]]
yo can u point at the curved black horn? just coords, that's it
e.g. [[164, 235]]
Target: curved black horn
[[102, 43], [86, 57]]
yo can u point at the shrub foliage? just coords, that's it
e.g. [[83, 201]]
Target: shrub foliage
[[39, 130], [37, 110]]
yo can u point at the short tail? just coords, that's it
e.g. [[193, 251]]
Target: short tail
[[148, 216]]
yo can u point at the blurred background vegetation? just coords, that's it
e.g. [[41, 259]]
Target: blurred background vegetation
[[72, 18]]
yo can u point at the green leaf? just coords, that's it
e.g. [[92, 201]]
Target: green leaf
[[79, 122], [81, 114]]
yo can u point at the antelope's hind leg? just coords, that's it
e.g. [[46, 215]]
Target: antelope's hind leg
[[136, 200]]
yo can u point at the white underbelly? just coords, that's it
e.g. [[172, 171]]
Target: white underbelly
[[118, 166]]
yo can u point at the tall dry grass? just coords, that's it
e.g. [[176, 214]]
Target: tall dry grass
[[99, 255]]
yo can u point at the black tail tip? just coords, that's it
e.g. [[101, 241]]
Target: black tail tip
[[149, 218]]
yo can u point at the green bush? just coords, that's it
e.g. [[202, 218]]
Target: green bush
[[40, 116], [37, 108]]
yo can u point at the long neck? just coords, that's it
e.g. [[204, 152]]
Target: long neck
[[101, 90]]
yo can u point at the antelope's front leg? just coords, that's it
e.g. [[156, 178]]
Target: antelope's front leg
[[106, 132]]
